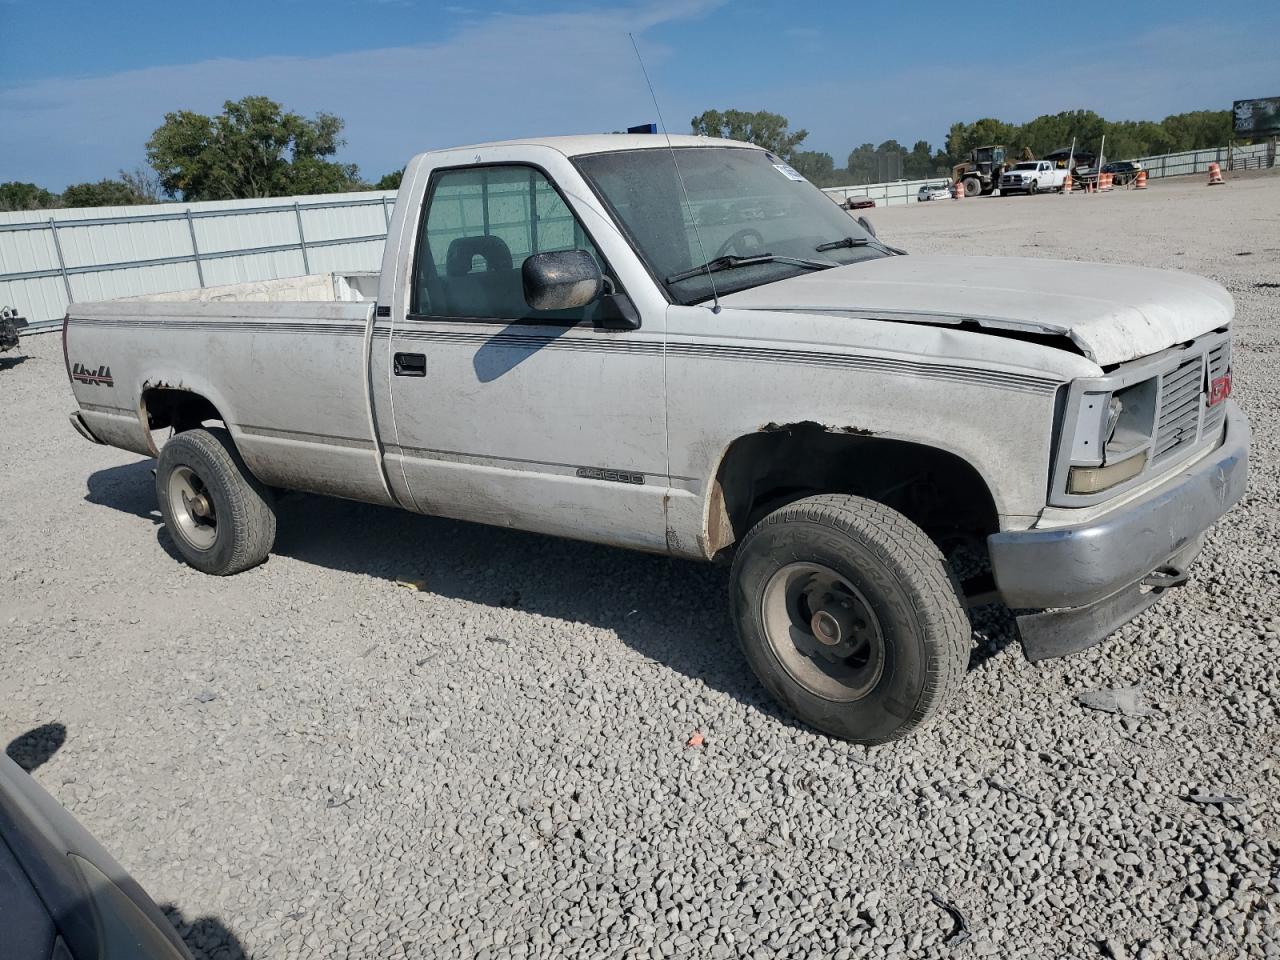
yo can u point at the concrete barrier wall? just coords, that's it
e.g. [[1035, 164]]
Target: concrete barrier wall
[[51, 258], [884, 194]]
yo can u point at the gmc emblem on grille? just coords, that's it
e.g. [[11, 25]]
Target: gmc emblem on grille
[[1219, 388]]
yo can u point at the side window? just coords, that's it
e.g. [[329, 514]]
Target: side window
[[481, 225]]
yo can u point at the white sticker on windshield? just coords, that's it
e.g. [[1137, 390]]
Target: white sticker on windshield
[[788, 171]]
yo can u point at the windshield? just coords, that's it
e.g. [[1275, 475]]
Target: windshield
[[1025, 166], [746, 203]]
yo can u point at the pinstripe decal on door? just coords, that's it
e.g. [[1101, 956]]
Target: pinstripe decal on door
[[630, 343]]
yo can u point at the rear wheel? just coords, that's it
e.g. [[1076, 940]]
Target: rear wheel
[[850, 617], [972, 186], [221, 519]]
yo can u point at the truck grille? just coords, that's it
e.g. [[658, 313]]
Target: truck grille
[[1181, 394], [1182, 378], [1184, 416]]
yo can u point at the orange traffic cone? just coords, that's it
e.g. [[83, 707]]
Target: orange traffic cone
[[957, 192], [1141, 182], [1215, 175], [1066, 184], [1104, 181]]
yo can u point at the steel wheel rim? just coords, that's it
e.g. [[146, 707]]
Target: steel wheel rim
[[823, 631], [192, 509]]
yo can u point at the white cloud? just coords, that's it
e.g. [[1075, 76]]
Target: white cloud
[[509, 75], [506, 75]]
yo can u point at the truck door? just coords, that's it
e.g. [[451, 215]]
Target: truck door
[[539, 420]]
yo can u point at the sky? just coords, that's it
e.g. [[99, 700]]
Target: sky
[[83, 83]]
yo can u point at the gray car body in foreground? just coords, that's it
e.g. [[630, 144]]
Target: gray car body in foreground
[[62, 896]]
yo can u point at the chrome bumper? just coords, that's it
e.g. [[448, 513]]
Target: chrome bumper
[[1099, 568]]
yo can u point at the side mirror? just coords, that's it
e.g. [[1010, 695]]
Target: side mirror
[[561, 280], [866, 225]]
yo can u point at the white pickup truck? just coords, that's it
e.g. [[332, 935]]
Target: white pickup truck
[[1032, 176], [688, 349]]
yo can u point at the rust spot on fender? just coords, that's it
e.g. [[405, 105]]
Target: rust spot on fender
[[719, 529], [813, 425]]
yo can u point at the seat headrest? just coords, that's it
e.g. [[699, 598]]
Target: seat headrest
[[464, 250]]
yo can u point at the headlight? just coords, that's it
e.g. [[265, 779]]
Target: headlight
[[1086, 480], [1110, 439], [1115, 407]]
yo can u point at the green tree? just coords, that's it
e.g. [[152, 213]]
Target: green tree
[[1125, 139], [963, 137], [816, 167], [143, 183], [254, 148], [918, 164], [104, 193], [764, 129], [390, 181], [15, 195], [863, 164], [1199, 129]]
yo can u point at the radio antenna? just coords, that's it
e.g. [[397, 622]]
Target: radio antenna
[[715, 296]]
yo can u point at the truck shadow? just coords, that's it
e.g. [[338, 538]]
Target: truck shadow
[[33, 749], [207, 938], [674, 612]]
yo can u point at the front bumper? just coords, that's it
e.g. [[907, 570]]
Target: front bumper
[[1099, 567]]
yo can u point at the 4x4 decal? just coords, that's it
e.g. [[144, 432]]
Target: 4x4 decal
[[102, 375]]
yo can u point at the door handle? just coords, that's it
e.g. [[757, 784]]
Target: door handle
[[410, 364]]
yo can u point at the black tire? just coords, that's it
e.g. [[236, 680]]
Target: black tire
[[221, 519], [1034, 188], [972, 186], [897, 575]]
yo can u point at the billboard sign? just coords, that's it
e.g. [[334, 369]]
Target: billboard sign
[[1257, 118]]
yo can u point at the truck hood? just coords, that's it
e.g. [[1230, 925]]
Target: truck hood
[[1111, 313]]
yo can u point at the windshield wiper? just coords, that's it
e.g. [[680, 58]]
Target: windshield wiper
[[859, 242], [729, 262], [844, 242]]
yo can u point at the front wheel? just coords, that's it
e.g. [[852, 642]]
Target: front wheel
[[972, 186], [850, 617], [1034, 188], [221, 518]]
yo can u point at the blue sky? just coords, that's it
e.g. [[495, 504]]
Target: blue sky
[[83, 82]]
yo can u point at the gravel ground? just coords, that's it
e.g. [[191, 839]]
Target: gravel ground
[[313, 759]]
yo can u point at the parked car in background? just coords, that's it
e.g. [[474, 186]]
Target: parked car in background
[[859, 203], [1122, 171], [62, 896], [1032, 176], [934, 191]]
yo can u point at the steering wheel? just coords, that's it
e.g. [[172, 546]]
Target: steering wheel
[[735, 243]]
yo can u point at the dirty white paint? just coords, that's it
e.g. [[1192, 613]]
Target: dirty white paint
[[533, 426]]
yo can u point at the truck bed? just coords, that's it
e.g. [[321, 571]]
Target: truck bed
[[288, 377]]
